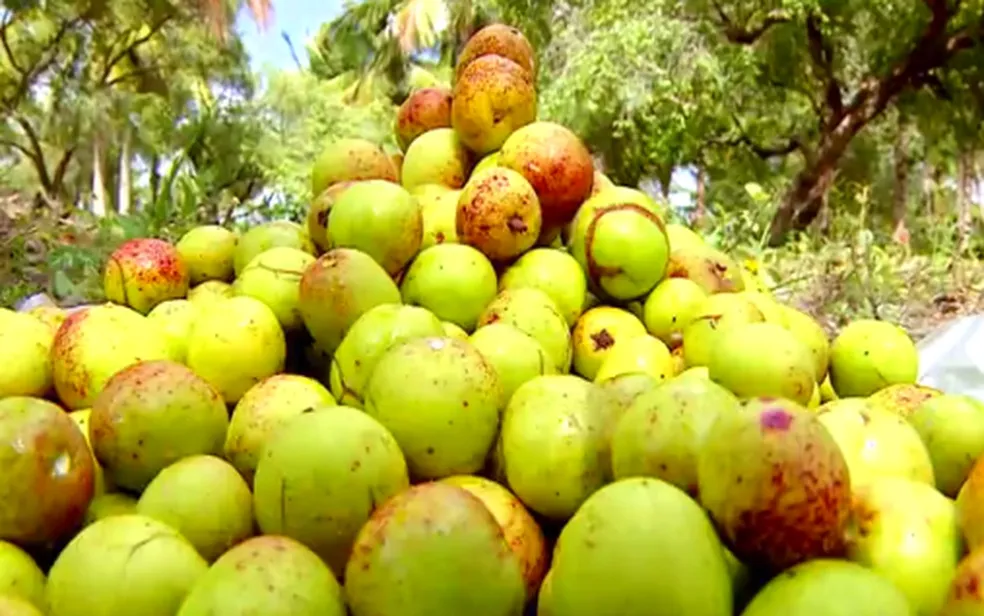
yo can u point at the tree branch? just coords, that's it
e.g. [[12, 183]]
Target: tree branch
[[822, 54], [37, 152], [749, 33], [115, 58], [7, 21]]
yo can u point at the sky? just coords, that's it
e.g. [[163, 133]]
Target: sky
[[300, 19]]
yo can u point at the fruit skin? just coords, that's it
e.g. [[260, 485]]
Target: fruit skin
[[827, 587], [436, 157], [438, 211], [661, 432], [274, 277], [681, 235], [597, 333], [498, 213], [970, 507], [644, 354], [554, 272], [209, 291], [453, 331], [20, 577], [101, 484], [151, 415], [109, 504], [775, 484], [350, 160], [273, 576], [454, 281], [952, 427], [556, 163], [262, 410], [25, 354], [501, 40], [493, 97], [144, 272], [763, 359], [262, 238], [964, 598], [321, 476], [810, 334], [424, 110], [625, 389], [317, 218], [869, 355], [440, 398], [519, 529], [613, 195], [612, 557], [875, 442], [236, 343], [46, 472], [902, 399], [158, 564], [175, 317], [907, 532], [203, 498], [207, 251], [670, 306], [715, 316], [535, 314], [15, 606], [553, 443], [433, 549], [710, 268], [515, 356]]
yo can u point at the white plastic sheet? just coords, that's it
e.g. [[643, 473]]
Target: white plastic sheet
[[951, 358]]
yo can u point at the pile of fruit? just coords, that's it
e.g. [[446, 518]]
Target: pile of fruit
[[482, 381]]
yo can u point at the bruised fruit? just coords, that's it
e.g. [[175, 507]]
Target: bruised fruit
[[499, 214], [556, 163], [274, 278], [869, 355], [317, 218], [670, 306], [262, 410], [515, 356], [151, 415], [596, 334], [436, 157], [970, 507], [349, 281], [322, 475], [952, 427], [535, 314], [775, 484], [379, 218], [710, 268], [204, 499], [368, 339], [438, 211], [25, 354], [493, 96], [236, 343], [454, 281], [440, 399], [20, 577], [904, 398], [501, 40], [95, 343], [643, 354], [144, 272], [806, 329], [964, 597], [433, 549], [716, 315], [424, 110], [175, 318], [554, 272], [273, 576], [350, 160], [207, 252], [209, 291], [553, 443], [46, 472], [159, 567], [677, 564]]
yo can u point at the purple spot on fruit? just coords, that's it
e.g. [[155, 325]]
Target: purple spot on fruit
[[777, 419]]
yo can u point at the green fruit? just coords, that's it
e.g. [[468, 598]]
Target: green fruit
[[453, 331], [262, 410], [639, 547], [553, 443], [208, 251], [379, 218], [671, 306], [317, 218], [489, 160], [625, 388], [554, 272], [644, 354], [203, 498], [100, 483], [351, 283], [811, 335], [711, 269], [433, 549], [15, 606], [235, 344], [144, 272], [775, 484], [952, 427], [598, 332], [515, 356], [25, 354], [870, 355], [175, 318], [680, 236], [493, 96], [109, 504], [46, 472], [151, 415], [272, 576], [763, 359], [436, 157], [454, 281], [274, 278], [499, 214], [95, 343], [127, 560], [661, 433], [536, 315], [608, 197], [210, 291], [827, 587], [262, 238], [438, 209], [20, 577], [716, 315], [347, 160], [440, 399], [368, 339]]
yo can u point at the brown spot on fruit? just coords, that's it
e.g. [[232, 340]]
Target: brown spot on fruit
[[602, 340]]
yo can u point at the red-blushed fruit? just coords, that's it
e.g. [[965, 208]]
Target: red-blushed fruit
[[501, 40], [46, 473], [499, 214], [425, 109], [775, 484], [493, 97], [144, 272], [966, 596], [556, 163]]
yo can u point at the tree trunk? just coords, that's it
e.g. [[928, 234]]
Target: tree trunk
[[700, 209], [900, 193], [805, 199], [964, 165], [155, 178], [98, 181], [125, 179]]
